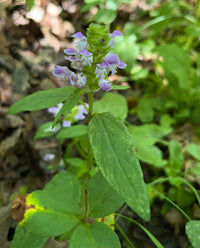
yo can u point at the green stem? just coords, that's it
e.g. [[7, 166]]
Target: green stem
[[90, 113], [124, 235], [86, 205]]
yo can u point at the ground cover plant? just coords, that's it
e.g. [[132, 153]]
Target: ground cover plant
[[106, 128]]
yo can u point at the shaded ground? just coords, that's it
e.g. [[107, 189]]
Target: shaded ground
[[29, 50]]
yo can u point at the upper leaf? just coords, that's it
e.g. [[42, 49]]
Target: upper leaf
[[113, 103], [41, 100], [117, 161], [103, 199]]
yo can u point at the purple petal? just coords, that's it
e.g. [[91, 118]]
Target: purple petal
[[73, 78], [78, 35], [116, 33], [60, 71], [103, 65], [85, 52], [72, 58], [66, 124], [122, 65], [113, 60], [105, 86], [70, 51]]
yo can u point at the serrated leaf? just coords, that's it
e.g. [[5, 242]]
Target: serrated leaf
[[192, 230], [103, 199], [41, 100], [71, 102], [113, 103], [23, 239], [114, 155], [72, 132], [96, 235]]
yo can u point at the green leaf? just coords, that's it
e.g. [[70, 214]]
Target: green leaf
[[192, 230], [96, 235], [176, 158], [176, 64], [103, 199], [71, 102], [60, 194], [46, 130], [120, 87], [23, 239], [114, 155], [194, 150], [72, 132], [41, 100], [143, 138], [50, 223], [105, 16], [51, 208], [113, 103]]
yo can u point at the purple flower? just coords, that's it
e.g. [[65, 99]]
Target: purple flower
[[82, 40], [86, 57], [112, 41], [78, 35], [81, 112], [48, 157], [66, 123], [55, 110], [70, 51], [60, 71], [105, 85], [77, 79]]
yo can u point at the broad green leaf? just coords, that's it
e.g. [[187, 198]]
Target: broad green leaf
[[96, 235], [46, 130], [105, 16], [113, 103], [41, 100], [23, 239], [103, 199], [72, 132], [149, 134], [176, 64], [47, 222], [60, 194], [192, 230], [143, 138], [194, 150], [71, 102], [114, 155]]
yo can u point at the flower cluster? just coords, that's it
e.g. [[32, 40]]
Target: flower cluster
[[77, 113], [93, 60]]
